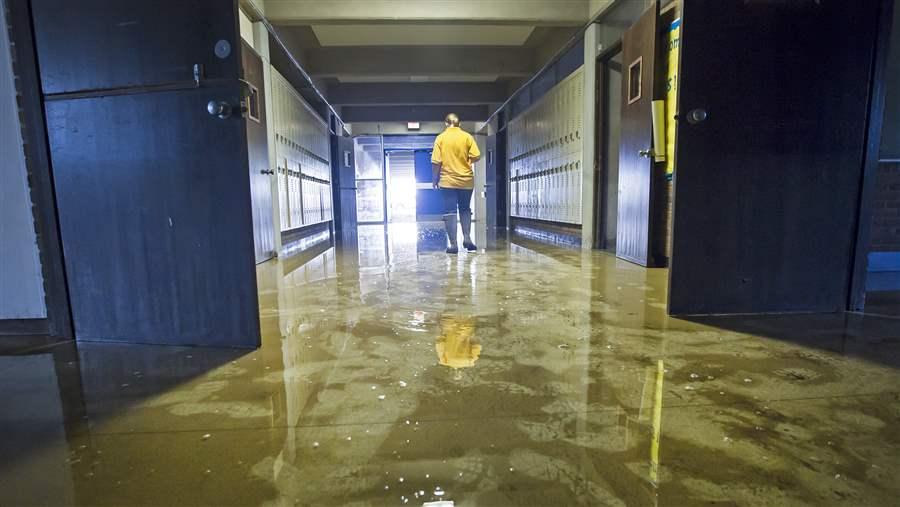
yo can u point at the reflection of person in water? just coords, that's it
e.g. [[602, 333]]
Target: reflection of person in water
[[457, 346]]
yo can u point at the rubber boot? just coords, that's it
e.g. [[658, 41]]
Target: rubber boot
[[450, 225], [466, 221]]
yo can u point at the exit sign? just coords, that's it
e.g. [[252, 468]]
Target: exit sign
[[412, 125]]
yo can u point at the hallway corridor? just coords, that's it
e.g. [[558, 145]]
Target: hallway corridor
[[506, 377]]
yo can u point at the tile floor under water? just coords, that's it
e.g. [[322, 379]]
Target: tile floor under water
[[394, 374]]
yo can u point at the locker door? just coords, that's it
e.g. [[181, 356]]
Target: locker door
[[767, 187], [153, 191]]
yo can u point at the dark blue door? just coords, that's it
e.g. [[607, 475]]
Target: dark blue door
[[428, 200]]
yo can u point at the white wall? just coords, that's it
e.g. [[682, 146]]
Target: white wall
[[597, 6], [21, 282], [247, 29]]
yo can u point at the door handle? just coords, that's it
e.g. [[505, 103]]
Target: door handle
[[267, 171], [646, 153], [697, 116], [219, 108]]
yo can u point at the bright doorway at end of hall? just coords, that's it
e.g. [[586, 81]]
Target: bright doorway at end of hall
[[400, 168], [409, 194]]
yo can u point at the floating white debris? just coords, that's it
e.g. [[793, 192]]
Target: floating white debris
[[315, 445], [206, 436], [381, 396], [748, 380], [694, 375], [374, 387], [401, 479], [438, 491], [402, 384], [690, 388], [349, 438]]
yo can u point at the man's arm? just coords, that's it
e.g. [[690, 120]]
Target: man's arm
[[474, 152], [435, 174], [437, 159]]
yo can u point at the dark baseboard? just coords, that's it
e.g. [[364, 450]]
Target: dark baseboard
[[20, 336], [24, 327], [547, 232], [292, 236]]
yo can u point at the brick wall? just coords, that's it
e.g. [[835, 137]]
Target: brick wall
[[886, 214]]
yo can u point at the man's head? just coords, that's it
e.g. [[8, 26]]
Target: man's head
[[452, 120]]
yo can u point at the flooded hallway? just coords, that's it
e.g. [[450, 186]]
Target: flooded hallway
[[520, 375], [233, 271]]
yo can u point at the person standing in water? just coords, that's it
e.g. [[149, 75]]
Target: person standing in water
[[454, 154]]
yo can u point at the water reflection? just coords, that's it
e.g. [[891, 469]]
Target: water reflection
[[457, 346], [346, 404]]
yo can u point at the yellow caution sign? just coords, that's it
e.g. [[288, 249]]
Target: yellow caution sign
[[673, 45]]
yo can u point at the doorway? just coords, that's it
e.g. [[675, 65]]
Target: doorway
[[401, 185], [609, 66]]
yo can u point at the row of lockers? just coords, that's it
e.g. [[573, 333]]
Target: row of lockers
[[303, 201], [554, 195], [301, 161], [553, 124], [520, 168], [545, 155], [296, 124], [303, 158]]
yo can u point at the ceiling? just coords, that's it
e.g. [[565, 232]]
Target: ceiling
[[421, 35], [377, 60]]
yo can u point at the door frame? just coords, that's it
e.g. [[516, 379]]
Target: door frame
[[856, 297], [601, 216], [649, 82], [40, 177]]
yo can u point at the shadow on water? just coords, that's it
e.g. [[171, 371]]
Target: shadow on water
[[51, 396], [871, 338]]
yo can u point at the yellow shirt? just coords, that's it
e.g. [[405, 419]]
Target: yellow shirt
[[453, 149]]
